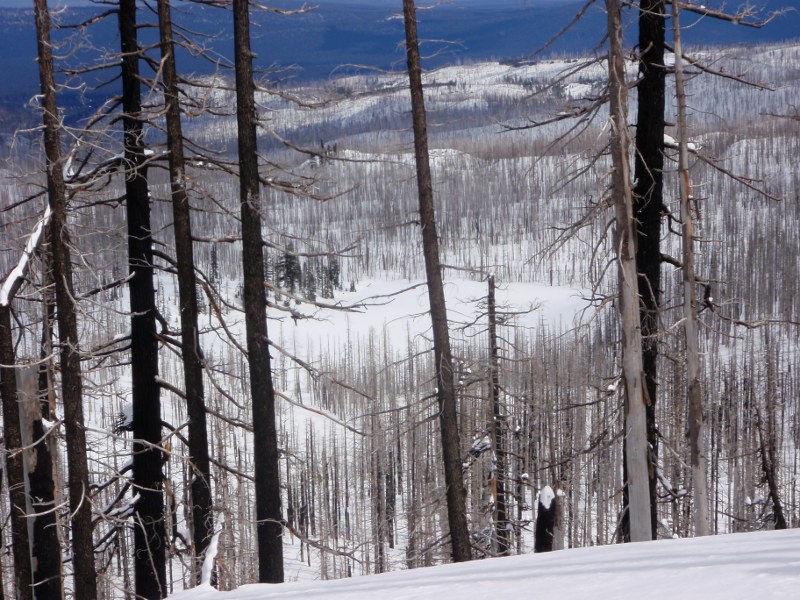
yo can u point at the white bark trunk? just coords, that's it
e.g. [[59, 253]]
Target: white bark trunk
[[697, 444], [636, 453]]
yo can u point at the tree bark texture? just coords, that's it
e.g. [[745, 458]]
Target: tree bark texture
[[38, 463], [498, 430], [451, 446], [149, 530], [12, 441], [69, 353], [636, 453], [697, 443], [265, 439], [545, 526], [648, 196], [191, 353], [768, 441]]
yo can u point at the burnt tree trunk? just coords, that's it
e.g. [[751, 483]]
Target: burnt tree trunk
[[267, 466], [69, 353], [636, 453], [498, 430], [697, 420], [648, 198], [545, 527], [191, 352], [12, 442], [2, 543], [768, 443], [46, 374], [149, 531], [448, 419], [38, 463]]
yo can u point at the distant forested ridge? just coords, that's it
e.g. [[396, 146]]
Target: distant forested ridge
[[336, 36]]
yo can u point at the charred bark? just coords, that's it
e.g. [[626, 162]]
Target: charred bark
[[69, 353], [545, 527], [498, 431], [267, 467], [191, 352], [636, 453], [149, 531], [697, 420], [648, 197], [12, 441], [45, 543], [448, 419]]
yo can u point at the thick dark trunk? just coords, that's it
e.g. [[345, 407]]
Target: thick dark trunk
[[2, 580], [648, 207], [498, 430], [149, 533], [201, 501], [267, 467], [12, 441], [451, 445], [71, 385], [544, 530]]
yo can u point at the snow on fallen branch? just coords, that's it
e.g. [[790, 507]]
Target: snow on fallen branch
[[15, 279], [207, 569]]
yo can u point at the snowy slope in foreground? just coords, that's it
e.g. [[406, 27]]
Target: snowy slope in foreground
[[743, 566]]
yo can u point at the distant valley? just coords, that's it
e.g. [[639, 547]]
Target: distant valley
[[329, 40]]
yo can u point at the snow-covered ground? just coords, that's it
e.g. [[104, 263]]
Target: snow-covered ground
[[399, 308], [744, 566]]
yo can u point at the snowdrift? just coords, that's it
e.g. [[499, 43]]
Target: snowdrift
[[744, 566]]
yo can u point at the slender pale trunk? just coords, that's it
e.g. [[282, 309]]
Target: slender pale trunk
[[269, 525], [697, 443], [191, 352], [636, 453], [451, 445]]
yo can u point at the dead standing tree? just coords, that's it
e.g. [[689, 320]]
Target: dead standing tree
[[498, 425], [191, 352], [149, 533], [648, 194], [636, 453], [69, 352], [451, 445], [697, 444], [269, 523], [12, 444]]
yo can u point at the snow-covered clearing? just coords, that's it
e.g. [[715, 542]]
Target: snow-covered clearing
[[400, 307], [742, 566]]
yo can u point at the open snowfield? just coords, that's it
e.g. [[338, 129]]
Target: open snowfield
[[745, 566], [399, 308]]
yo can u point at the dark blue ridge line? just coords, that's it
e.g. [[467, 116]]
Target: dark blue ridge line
[[313, 46]]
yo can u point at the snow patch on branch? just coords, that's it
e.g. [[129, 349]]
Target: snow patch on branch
[[671, 142], [14, 279], [211, 554], [546, 497]]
